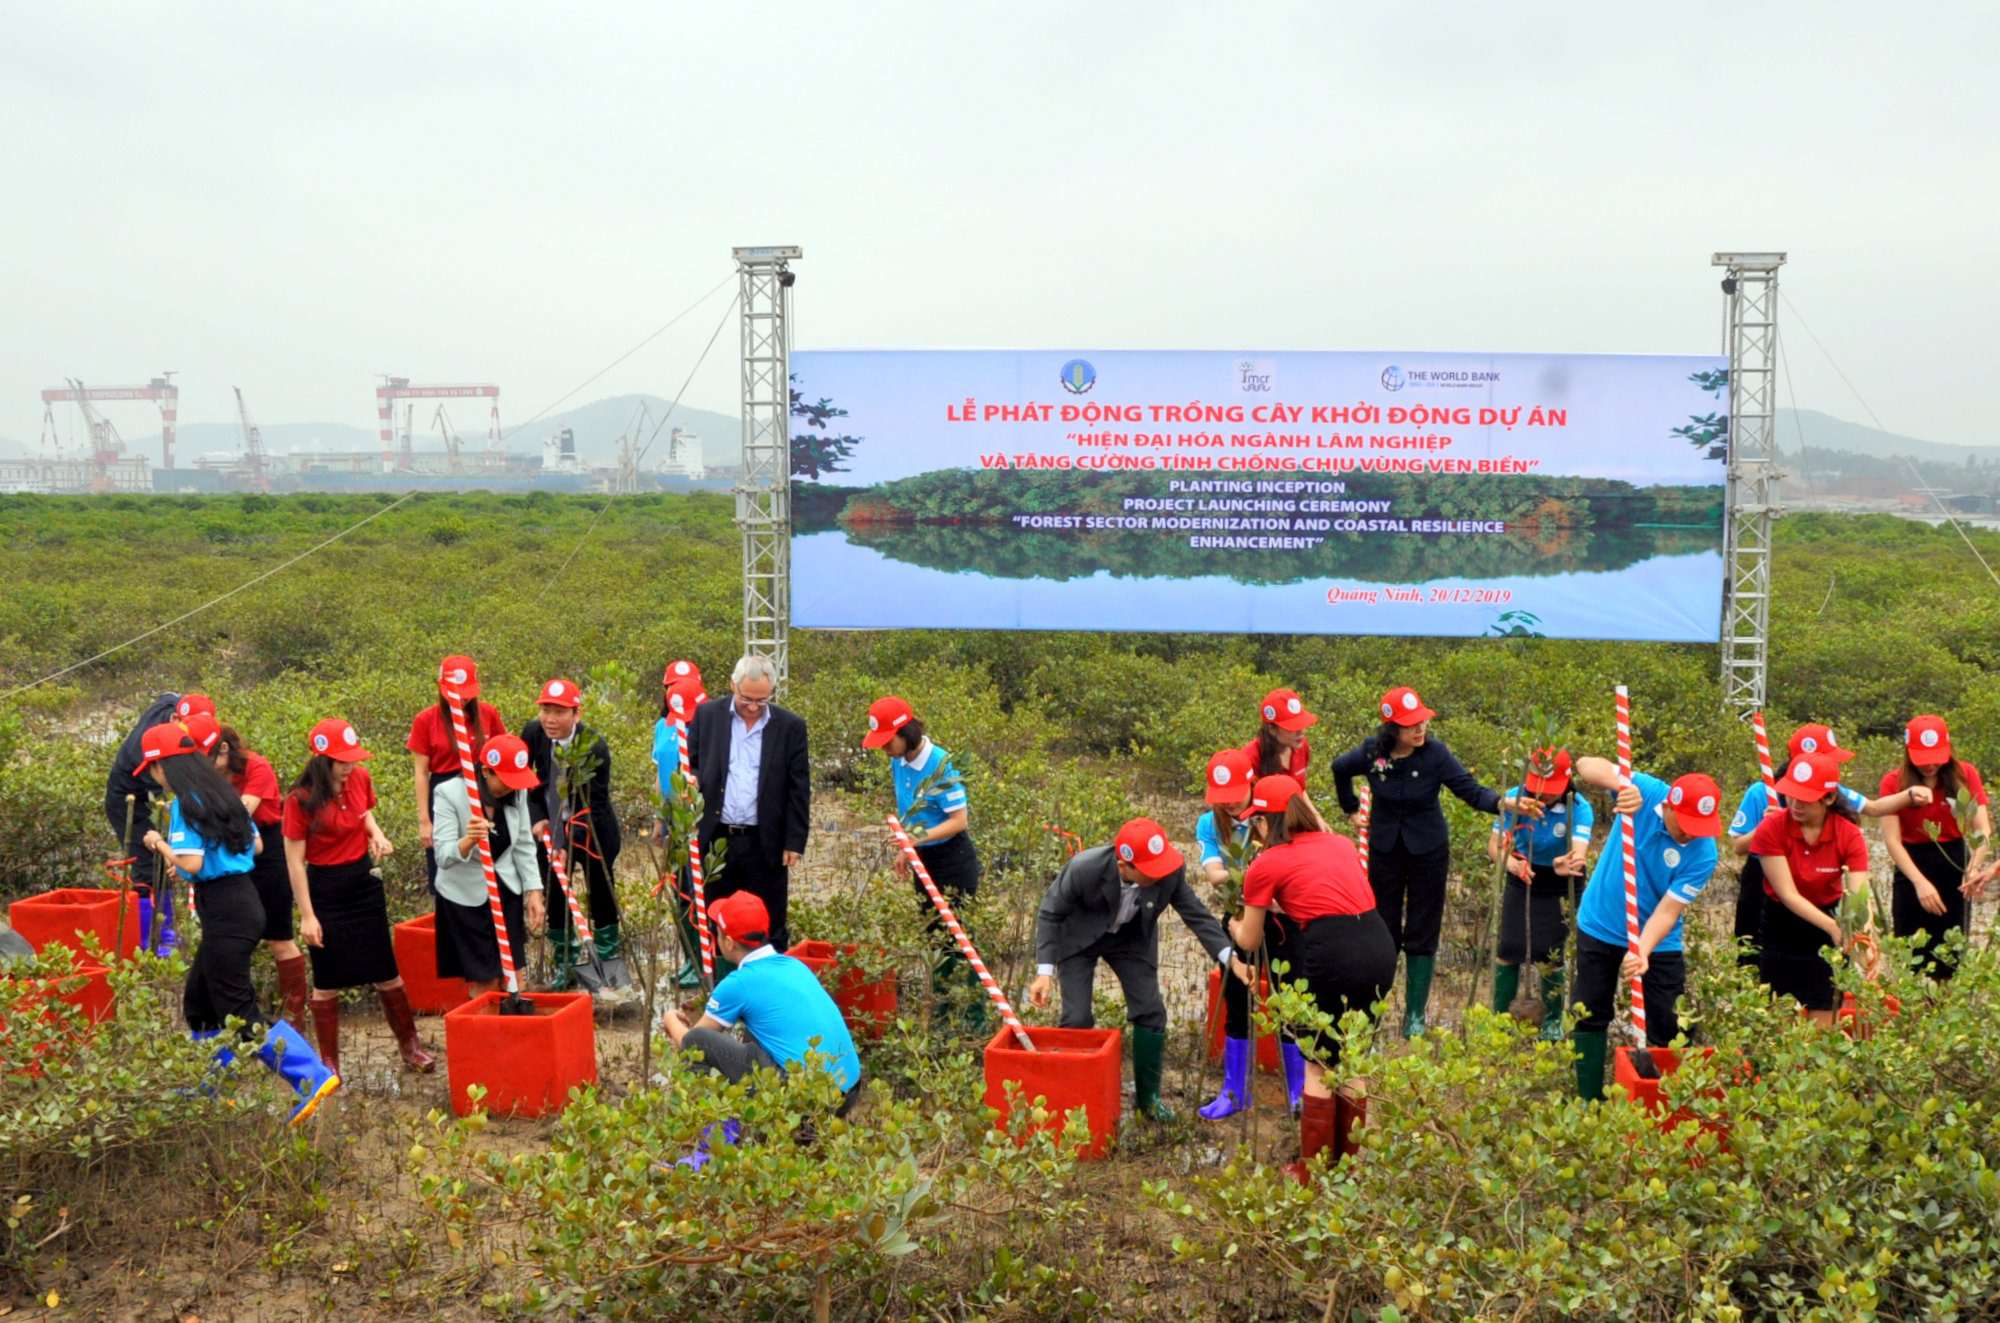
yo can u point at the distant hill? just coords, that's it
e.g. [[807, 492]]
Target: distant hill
[[1824, 432], [598, 425]]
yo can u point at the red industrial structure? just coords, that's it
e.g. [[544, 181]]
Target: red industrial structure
[[399, 388], [160, 389]]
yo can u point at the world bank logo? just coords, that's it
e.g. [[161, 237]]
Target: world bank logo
[[1392, 378], [1078, 376]]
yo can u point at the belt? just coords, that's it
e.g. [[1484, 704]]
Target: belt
[[739, 828]]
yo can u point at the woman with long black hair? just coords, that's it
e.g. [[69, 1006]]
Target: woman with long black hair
[[433, 744], [330, 837], [256, 783], [1813, 854], [1280, 746], [1934, 876], [468, 946], [1341, 949], [1409, 846], [210, 839]]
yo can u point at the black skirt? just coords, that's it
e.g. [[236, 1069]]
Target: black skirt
[[353, 917], [465, 943], [1792, 957], [274, 883], [1348, 963]]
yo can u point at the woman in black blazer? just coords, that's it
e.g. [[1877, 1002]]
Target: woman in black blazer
[[1409, 846]]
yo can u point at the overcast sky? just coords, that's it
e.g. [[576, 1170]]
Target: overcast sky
[[294, 199]]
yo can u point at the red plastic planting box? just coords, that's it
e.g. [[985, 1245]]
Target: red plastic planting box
[[1647, 1092], [868, 1003], [65, 914], [1267, 1044], [35, 1033], [1858, 1023], [1070, 1068], [526, 1063], [416, 961]]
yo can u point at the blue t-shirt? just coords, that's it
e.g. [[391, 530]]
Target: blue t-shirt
[[943, 789], [666, 756], [1665, 867], [217, 860], [1210, 840], [1549, 837], [780, 1001], [1756, 803]]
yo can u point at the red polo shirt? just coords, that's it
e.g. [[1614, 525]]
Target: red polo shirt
[[261, 779], [336, 834], [1912, 820], [1297, 771], [1314, 874], [1819, 868], [431, 735]]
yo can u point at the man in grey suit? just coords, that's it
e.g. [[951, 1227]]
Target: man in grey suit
[[1106, 905]]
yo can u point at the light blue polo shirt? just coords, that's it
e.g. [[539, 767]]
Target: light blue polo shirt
[[216, 859], [929, 788], [1210, 840], [666, 756], [781, 1003], [1665, 867], [1550, 836]]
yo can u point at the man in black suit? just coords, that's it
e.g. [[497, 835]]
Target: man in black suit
[[750, 762], [1106, 905], [574, 764]]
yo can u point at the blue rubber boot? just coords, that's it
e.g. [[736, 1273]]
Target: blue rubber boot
[[145, 923], [169, 939], [728, 1132], [1235, 1095], [286, 1051], [1295, 1074]]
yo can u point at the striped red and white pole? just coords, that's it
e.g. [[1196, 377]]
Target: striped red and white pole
[[1361, 828], [469, 761], [1764, 755], [562, 882], [957, 930], [702, 938], [1631, 862]]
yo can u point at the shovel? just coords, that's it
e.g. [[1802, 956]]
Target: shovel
[[593, 973]]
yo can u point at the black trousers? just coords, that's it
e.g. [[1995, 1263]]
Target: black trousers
[[1750, 902], [133, 845], [1943, 866], [1535, 917], [1598, 977], [744, 868], [591, 874], [1409, 894], [1131, 960], [1347, 963], [1281, 939], [218, 980], [733, 1058]]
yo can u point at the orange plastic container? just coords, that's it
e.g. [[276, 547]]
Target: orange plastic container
[[65, 914], [867, 1003], [526, 1063], [93, 997], [1856, 1023], [1647, 1092], [416, 961], [45, 1034], [1070, 1068], [1267, 1044]]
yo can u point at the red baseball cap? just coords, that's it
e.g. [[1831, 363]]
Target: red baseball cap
[[457, 673], [190, 704], [1283, 709], [1143, 844], [1928, 741], [336, 739], [560, 693], [1810, 778], [166, 740], [683, 697], [1230, 774], [1274, 794], [1548, 772], [1815, 738], [678, 671], [886, 716], [506, 756], [741, 917], [1402, 706], [1697, 802], [204, 730]]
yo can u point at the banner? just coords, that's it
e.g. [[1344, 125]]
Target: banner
[[1507, 495]]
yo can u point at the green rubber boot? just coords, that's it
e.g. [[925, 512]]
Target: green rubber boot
[[1416, 992], [1506, 983], [1590, 1049], [1149, 1060], [562, 954], [606, 935], [690, 972], [1554, 1012]]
